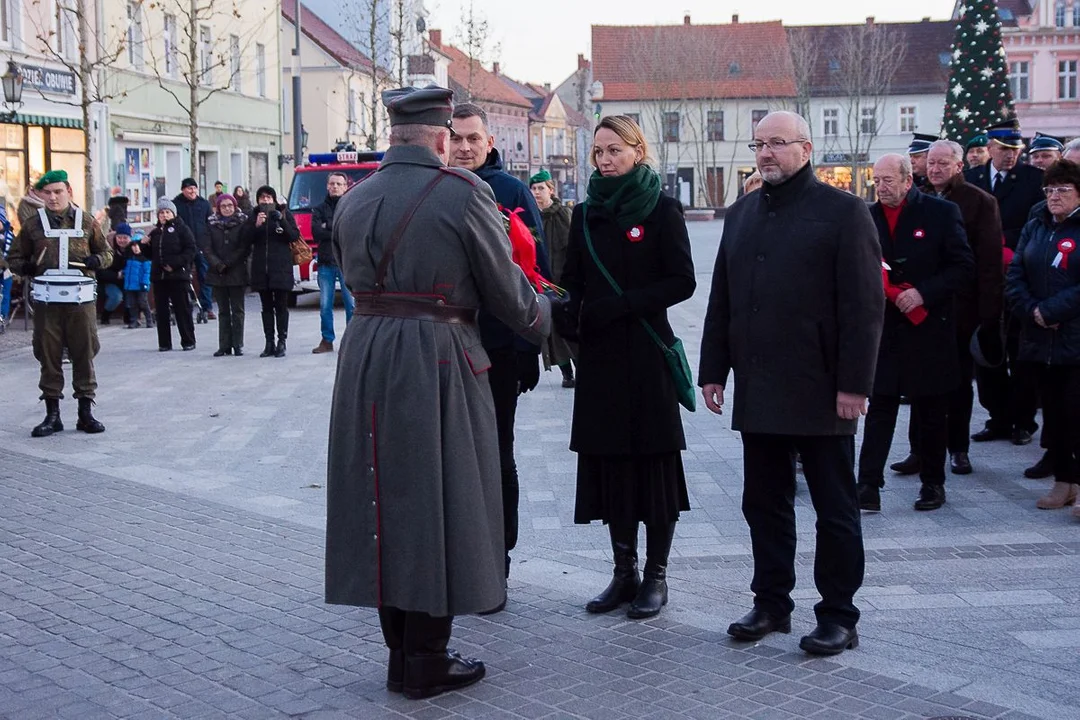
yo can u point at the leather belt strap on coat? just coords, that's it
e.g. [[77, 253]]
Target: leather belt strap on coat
[[431, 308]]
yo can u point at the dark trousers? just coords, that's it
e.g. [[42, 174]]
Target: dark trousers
[[1060, 388], [230, 301], [202, 267], [416, 633], [1009, 392], [929, 415], [503, 378], [275, 308], [769, 508], [175, 293], [137, 301], [60, 325]]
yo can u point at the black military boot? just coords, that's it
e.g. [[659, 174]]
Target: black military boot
[[625, 580], [653, 593], [279, 351], [51, 424], [87, 423]]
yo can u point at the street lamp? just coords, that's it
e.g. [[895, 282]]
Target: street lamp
[[284, 160], [13, 86], [303, 137]]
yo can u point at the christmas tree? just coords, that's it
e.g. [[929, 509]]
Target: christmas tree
[[979, 93]]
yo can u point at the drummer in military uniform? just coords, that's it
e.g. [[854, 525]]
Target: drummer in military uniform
[[414, 502], [57, 325]]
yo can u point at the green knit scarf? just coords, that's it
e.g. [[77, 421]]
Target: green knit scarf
[[628, 198]]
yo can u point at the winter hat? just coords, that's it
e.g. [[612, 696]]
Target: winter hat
[[166, 204], [222, 197], [123, 229], [266, 190], [188, 182]]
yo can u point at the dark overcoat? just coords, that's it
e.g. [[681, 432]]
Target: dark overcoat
[[271, 257], [928, 251], [981, 300], [1020, 191], [226, 249], [414, 494], [796, 307], [625, 401], [172, 245]]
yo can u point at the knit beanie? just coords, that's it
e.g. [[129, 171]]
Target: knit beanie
[[122, 229], [166, 204]]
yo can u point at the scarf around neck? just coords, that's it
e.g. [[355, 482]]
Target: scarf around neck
[[628, 198]]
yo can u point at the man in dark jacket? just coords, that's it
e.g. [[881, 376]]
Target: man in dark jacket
[[978, 304], [1007, 392], [796, 311], [194, 210], [925, 248], [330, 277], [515, 364], [917, 152]]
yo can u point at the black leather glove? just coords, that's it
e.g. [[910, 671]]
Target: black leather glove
[[528, 371], [92, 262], [28, 269]]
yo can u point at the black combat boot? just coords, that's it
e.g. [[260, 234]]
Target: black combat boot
[[51, 424], [87, 423], [653, 593], [625, 580]]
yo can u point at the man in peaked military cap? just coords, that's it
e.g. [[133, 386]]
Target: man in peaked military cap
[[976, 153], [60, 325], [1007, 392], [920, 145], [414, 505], [1045, 150]]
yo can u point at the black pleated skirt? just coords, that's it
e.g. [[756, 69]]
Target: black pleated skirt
[[631, 488]]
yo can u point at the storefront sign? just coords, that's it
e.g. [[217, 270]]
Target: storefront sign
[[842, 158], [48, 80]]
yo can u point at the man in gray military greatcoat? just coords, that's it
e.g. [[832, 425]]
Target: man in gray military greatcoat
[[414, 507]]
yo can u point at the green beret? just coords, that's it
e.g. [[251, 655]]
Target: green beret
[[978, 141], [542, 176], [53, 176]]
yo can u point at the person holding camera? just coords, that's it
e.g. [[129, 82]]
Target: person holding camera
[[269, 231]]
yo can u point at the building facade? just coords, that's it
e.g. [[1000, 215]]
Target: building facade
[[224, 125]]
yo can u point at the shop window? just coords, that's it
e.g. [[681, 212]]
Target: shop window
[[35, 145]]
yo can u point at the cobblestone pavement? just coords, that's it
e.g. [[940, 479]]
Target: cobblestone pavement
[[172, 568]]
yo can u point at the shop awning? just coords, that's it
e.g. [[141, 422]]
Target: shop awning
[[47, 121]]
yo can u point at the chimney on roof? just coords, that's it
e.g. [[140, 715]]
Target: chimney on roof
[[582, 63], [686, 19], [495, 68], [926, 19], [870, 21], [435, 36], [735, 19], [547, 87]]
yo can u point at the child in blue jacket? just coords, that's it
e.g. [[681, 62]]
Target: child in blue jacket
[[136, 276]]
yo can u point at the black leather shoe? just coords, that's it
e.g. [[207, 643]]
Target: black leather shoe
[[1042, 469], [869, 498], [988, 434], [269, 350], [830, 639], [960, 464], [223, 352], [238, 351], [756, 624], [1021, 437], [430, 675], [395, 671], [931, 497], [911, 465]]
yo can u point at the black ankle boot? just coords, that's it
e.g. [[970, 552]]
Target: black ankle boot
[[279, 351], [567, 375], [625, 579], [51, 424], [653, 593], [269, 350], [87, 423]]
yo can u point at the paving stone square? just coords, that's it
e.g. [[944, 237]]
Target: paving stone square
[[172, 567]]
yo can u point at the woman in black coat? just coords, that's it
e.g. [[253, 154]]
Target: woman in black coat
[[269, 230], [172, 255], [1043, 289], [227, 250], [627, 429]]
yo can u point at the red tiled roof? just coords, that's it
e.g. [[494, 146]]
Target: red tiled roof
[[922, 70], [486, 86], [740, 60], [326, 37]]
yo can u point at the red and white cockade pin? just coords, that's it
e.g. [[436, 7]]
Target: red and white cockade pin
[[919, 234], [1061, 260], [636, 233]]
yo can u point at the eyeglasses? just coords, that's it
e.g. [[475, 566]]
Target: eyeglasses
[[1060, 190], [774, 145]]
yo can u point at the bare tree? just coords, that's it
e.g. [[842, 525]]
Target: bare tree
[[805, 50], [660, 70], [88, 52], [191, 58], [370, 30], [474, 33], [399, 34]]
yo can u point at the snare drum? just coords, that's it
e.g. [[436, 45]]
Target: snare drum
[[69, 287]]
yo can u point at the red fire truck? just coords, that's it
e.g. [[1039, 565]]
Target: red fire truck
[[309, 191]]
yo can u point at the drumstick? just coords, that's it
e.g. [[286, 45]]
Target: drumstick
[[41, 256], [75, 263]]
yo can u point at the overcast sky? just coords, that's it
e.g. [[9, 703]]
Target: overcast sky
[[539, 40]]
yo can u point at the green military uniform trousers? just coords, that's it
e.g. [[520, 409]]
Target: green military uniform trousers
[[60, 325]]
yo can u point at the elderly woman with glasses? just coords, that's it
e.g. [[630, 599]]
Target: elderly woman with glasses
[[226, 250], [1043, 287]]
